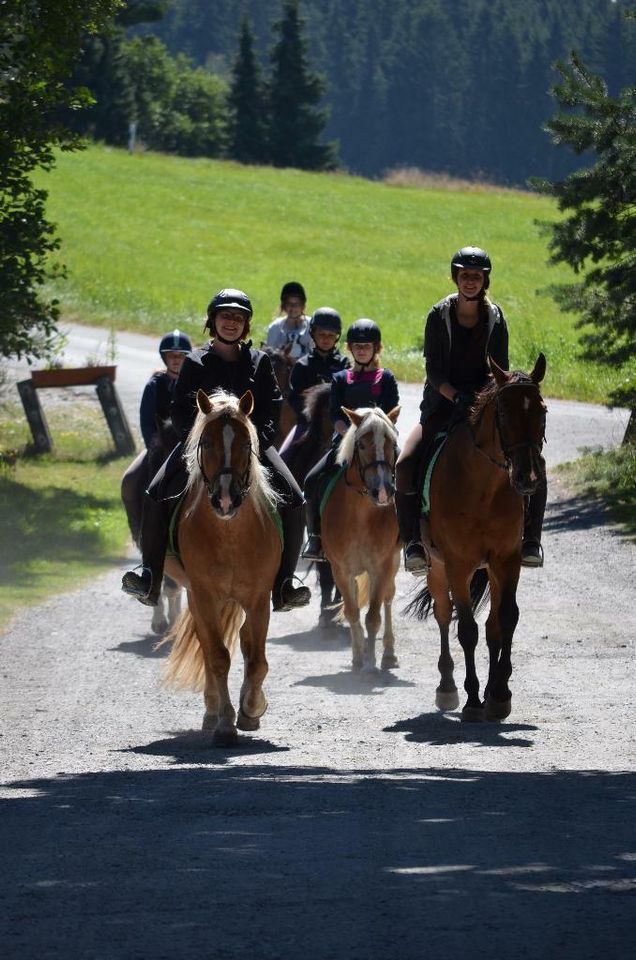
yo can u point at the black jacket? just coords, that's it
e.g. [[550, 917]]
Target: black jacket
[[155, 403], [437, 348], [376, 387], [309, 371], [203, 369]]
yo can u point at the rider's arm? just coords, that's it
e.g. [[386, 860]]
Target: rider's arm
[[267, 401], [298, 383], [147, 411], [183, 409]]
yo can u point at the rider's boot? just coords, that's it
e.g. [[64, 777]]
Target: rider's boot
[[145, 586], [416, 559], [286, 596]]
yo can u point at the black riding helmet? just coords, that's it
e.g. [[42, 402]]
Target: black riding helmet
[[471, 258], [175, 341], [226, 299], [325, 318], [293, 289], [364, 331]]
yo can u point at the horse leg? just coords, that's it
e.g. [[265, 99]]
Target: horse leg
[[159, 623], [389, 658], [372, 622], [253, 702], [325, 578], [446, 696], [349, 589], [220, 716], [172, 592], [468, 633], [500, 628]]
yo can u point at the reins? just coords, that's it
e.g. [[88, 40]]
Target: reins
[[498, 429]]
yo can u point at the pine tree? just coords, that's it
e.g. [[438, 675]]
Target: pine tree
[[296, 123], [598, 236], [248, 121]]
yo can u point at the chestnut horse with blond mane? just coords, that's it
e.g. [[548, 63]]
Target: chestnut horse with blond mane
[[486, 468], [360, 535], [229, 548]]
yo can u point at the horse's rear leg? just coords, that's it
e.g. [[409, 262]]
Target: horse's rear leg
[[389, 659], [500, 628], [172, 592], [253, 702], [325, 578]]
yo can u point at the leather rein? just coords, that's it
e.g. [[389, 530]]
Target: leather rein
[[498, 428]]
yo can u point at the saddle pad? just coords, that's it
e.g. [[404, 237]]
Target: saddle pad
[[432, 453], [333, 480]]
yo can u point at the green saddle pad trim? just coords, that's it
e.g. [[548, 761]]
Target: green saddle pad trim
[[172, 550], [439, 439], [333, 480]]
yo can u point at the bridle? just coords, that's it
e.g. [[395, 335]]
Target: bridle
[[212, 483], [362, 468], [499, 426]]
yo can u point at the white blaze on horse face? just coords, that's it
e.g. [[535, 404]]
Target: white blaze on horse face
[[379, 437], [226, 479]]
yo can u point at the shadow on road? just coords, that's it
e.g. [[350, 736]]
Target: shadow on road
[[346, 682], [241, 860], [317, 639], [437, 729]]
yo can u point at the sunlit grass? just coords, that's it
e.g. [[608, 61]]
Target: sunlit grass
[[149, 238], [610, 477]]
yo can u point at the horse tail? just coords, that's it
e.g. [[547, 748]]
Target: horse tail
[[422, 603], [185, 667], [362, 582]]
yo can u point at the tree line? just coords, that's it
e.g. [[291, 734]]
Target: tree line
[[461, 87]]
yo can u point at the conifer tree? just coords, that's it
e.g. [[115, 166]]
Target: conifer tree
[[597, 238], [296, 122], [247, 102]]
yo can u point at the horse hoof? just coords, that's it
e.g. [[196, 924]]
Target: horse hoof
[[159, 627], [497, 709], [389, 661], [446, 699], [473, 715], [225, 738], [243, 722], [210, 721]]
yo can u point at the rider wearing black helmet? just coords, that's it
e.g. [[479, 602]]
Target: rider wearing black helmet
[[292, 328], [366, 385], [154, 408], [226, 362], [462, 330], [319, 366]]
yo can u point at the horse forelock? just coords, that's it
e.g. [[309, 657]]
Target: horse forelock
[[226, 405], [372, 418]]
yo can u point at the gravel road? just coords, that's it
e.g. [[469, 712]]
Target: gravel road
[[359, 822]]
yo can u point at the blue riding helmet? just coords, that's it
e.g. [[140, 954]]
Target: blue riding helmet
[[364, 331], [175, 341], [325, 318]]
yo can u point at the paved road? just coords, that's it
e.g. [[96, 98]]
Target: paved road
[[359, 822]]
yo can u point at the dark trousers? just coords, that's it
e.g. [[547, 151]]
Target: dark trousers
[[315, 485], [164, 493]]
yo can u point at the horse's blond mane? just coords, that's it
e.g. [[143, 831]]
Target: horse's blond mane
[[261, 491], [347, 447]]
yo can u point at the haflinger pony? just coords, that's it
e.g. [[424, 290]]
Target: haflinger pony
[[486, 468], [360, 534], [229, 548]]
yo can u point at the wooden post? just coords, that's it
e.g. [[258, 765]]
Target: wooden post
[[115, 416], [630, 432], [35, 416]]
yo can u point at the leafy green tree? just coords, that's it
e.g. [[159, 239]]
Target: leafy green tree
[[39, 46], [597, 237], [296, 123], [247, 103]]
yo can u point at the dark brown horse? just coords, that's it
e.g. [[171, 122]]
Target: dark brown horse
[[300, 456], [487, 467], [282, 362]]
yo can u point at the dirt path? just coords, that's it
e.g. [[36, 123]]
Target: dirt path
[[359, 823]]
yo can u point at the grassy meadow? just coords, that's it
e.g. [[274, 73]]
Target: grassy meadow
[[148, 239]]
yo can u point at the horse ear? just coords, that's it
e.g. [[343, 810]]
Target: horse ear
[[203, 402], [538, 372], [246, 403], [352, 416], [394, 414], [500, 375]]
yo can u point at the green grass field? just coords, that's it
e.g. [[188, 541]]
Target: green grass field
[[149, 238]]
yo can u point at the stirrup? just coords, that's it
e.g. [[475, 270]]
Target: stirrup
[[313, 548], [416, 560], [136, 585], [289, 597], [531, 554]]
